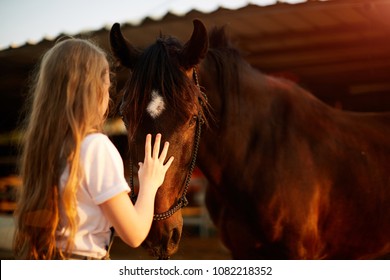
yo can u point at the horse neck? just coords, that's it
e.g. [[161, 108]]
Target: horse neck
[[263, 108]]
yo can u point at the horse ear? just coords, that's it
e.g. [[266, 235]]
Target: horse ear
[[196, 48], [122, 49]]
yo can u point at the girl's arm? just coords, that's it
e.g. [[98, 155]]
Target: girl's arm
[[133, 222]]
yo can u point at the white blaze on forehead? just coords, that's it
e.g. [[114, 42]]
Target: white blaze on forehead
[[156, 105]]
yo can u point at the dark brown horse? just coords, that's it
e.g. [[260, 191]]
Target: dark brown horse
[[289, 177]]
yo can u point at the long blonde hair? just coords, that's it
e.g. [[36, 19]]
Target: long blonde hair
[[66, 96]]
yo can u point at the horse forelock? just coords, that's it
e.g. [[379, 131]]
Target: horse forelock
[[158, 84]]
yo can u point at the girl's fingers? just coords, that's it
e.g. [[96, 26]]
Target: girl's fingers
[[149, 153], [156, 148], [148, 146], [164, 152], [169, 162]]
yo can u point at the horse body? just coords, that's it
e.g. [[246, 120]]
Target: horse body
[[294, 178], [289, 177]]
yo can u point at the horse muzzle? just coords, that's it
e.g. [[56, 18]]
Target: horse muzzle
[[164, 238]]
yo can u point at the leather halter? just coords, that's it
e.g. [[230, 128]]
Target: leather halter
[[182, 201]]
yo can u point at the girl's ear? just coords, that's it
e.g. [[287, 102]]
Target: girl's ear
[[196, 47], [123, 50]]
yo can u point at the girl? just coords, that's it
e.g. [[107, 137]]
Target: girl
[[74, 188]]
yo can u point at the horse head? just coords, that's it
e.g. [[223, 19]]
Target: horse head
[[162, 95]]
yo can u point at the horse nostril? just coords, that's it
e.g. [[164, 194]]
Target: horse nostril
[[175, 237]]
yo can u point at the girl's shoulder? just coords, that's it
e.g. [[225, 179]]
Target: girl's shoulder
[[96, 141], [96, 136]]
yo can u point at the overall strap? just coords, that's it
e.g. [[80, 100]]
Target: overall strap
[[107, 256]]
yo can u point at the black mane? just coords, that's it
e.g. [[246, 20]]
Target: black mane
[[227, 62]]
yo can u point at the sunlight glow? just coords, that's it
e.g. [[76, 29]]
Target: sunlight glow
[[25, 21]]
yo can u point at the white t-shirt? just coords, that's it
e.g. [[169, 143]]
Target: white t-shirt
[[103, 179]]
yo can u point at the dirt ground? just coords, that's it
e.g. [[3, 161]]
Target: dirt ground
[[192, 247]]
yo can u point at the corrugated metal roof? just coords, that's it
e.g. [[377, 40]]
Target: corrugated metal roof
[[167, 9]]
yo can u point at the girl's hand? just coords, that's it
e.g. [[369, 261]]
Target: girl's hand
[[152, 171]]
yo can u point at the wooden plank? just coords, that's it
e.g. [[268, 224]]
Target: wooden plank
[[368, 71], [292, 22], [297, 57], [314, 39]]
